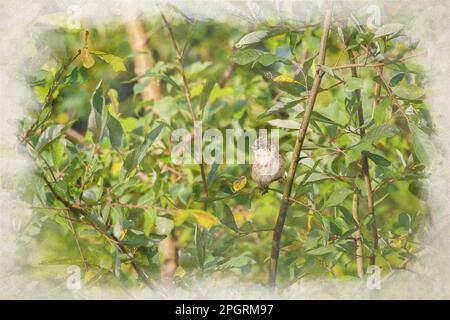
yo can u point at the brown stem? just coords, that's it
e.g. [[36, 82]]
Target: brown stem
[[365, 167], [143, 58], [278, 230], [77, 240], [187, 94], [227, 74], [359, 245], [143, 61], [352, 65]]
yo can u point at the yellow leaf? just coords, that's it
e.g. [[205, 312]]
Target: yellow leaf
[[86, 58], [284, 78], [179, 272], [240, 183], [115, 168], [115, 61], [180, 217], [196, 91], [89, 274], [204, 218], [310, 220], [62, 118], [292, 247], [114, 98]]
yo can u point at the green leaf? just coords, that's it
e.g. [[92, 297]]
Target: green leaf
[[136, 157], [422, 144], [78, 75], [268, 59], [163, 225], [255, 37], [116, 262], [379, 160], [247, 56], [237, 262], [225, 215], [50, 134], [288, 84], [100, 112], [404, 220], [293, 41], [353, 83], [57, 151], [329, 71], [416, 188], [136, 239], [114, 61], [408, 92], [377, 133], [206, 92], [396, 79], [381, 110], [115, 132], [212, 174], [316, 116], [388, 30], [280, 106], [199, 246], [285, 124], [162, 76], [321, 251], [337, 198], [149, 220]]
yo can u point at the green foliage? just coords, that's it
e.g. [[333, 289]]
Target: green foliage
[[125, 195]]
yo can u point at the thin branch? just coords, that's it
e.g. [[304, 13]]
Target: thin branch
[[365, 167], [297, 201], [278, 230], [187, 94], [87, 168], [352, 65], [359, 245], [227, 74], [49, 97], [77, 240], [246, 233], [180, 59]]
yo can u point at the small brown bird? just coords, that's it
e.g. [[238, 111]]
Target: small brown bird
[[268, 165]]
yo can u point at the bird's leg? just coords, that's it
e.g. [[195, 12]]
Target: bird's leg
[[263, 188]]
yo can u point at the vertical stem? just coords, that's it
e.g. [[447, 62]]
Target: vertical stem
[[365, 167], [187, 94], [359, 245], [143, 59], [296, 153]]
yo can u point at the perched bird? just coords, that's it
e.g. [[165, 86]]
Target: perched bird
[[268, 165]]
